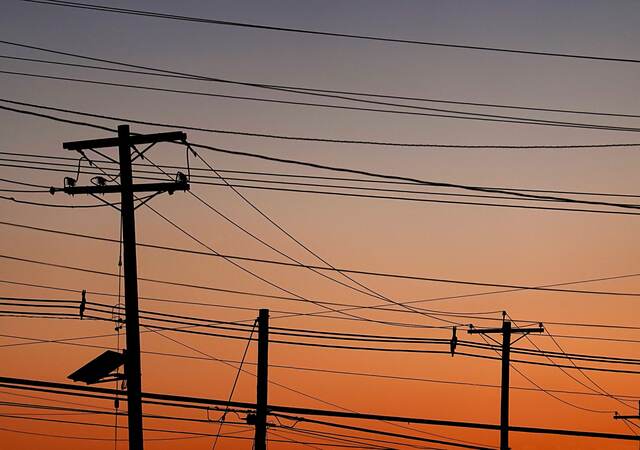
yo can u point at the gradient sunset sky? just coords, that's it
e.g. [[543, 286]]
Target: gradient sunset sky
[[507, 246]]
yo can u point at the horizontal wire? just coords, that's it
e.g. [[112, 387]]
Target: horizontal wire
[[348, 141], [295, 89], [323, 334], [338, 169], [204, 404], [374, 349], [379, 197], [359, 172], [467, 315], [140, 168], [447, 114], [72, 342], [287, 264], [157, 15]]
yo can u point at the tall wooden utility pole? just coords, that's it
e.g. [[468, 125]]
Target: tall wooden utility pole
[[260, 442], [506, 330], [127, 188]]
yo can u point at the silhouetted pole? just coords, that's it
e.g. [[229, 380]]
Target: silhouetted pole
[[124, 141], [504, 386], [132, 361], [263, 381], [506, 330]]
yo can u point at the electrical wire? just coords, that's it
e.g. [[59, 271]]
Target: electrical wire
[[72, 342], [270, 187], [350, 271], [201, 20], [140, 169], [367, 291], [360, 94], [360, 172], [447, 114], [233, 387], [347, 170], [475, 315]]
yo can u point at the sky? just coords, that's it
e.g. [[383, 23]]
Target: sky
[[447, 241]]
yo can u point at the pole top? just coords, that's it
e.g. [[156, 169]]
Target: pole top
[[136, 139]]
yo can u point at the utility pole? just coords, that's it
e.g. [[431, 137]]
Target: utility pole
[[125, 141], [507, 330], [260, 442]]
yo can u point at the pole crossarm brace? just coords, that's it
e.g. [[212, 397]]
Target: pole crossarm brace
[[499, 330], [113, 189], [134, 139]]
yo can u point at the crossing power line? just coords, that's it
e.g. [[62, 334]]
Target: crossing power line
[[208, 21]]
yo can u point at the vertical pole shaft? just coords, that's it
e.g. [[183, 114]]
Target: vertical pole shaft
[[132, 361], [263, 378], [504, 397]]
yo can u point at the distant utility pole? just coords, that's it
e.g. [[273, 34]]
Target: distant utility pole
[[506, 330], [260, 442], [127, 188]]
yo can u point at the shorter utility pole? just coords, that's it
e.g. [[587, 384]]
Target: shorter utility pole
[[260, 442], [506, 330]]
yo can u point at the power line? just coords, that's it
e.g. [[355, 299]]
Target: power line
[[52, 205], [382, 197], [157, 15], [320, 334], [475, 315], [72, 342], [234, 307], [191, 434], [323, 334], [447, 114], [254, 274], [354, 171], [262, 86], [352, 347], [367, 291], [194, 174], [232, 182], [306, 90], [511, 365], [365, 196], [584, 374], [350, 271], [202, 403], [384, 176], [350, 438], [392, 177]]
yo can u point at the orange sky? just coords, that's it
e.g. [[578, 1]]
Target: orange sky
[[495, 245]]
